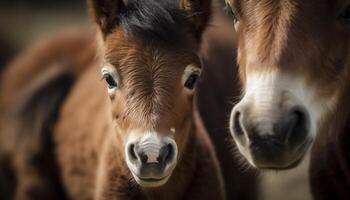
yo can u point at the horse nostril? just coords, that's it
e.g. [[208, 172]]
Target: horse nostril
[[131, 152], [297, 125], [140, 155], [166, 154], [143, 157], [237, 127]]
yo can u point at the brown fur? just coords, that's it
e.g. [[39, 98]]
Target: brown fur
[[32, 89], [215, 97], [95, 163], [89, 152], [192, 176], [286, 28], [306, 39]]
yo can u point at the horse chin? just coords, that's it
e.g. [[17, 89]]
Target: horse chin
[[289, 166], [151, 182], [290, 162]]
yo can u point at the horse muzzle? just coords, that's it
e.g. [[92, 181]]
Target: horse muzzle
[[151, 159], [272, 138]]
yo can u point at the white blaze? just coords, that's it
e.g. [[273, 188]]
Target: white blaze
[[151, 145]]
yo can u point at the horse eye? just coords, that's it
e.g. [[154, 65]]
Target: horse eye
[[110, 81], [191, 81]]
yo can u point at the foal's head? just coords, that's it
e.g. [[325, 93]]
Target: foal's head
[[151, 68], [293, 58]]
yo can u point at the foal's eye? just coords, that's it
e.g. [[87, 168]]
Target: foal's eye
[[111, 77], [190, 77], [234, 14], [110, 81]]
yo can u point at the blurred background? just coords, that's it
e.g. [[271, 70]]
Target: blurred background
[[25, 21]]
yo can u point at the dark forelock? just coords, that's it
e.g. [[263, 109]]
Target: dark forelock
[[155, 21]]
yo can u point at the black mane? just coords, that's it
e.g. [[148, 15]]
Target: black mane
[[155, 21]]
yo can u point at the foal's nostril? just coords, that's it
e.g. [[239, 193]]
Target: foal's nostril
[[131, 152], [138, 154], [237, 126]]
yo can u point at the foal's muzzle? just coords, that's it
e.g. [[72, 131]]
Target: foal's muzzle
[[151, 159], [270, 142]]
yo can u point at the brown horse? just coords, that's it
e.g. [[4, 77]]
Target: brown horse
[[32, 89], [140, 138], [294, 66]]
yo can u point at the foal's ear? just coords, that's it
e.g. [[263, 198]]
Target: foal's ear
[[106, 13], [198, 13]]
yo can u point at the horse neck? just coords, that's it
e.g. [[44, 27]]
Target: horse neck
[[338, 131], [337, 123], [330, 152]]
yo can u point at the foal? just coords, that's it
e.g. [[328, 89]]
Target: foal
[[139, 138], [294, 66]]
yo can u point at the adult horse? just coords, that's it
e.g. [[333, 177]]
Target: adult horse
[[294, 66], [142, 129]]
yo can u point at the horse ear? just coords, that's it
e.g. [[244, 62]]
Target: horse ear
[[198, 13], [106, 13]]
